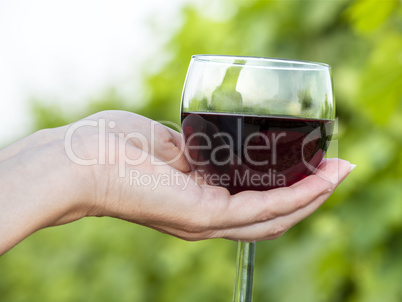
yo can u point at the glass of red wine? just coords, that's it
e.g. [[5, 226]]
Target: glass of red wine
[[255, 124]]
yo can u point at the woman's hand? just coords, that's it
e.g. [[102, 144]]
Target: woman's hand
[[123, 165]]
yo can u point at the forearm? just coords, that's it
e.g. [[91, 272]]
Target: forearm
[[38, 188], [22, 210]]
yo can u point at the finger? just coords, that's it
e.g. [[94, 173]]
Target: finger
[[170, 147], [242, 223], [250, 206], [266, 230], [272, 229]]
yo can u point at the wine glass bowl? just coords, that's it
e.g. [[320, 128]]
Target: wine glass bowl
[[255, 124]]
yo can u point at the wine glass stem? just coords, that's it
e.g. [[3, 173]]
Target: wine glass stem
[[243, 287]]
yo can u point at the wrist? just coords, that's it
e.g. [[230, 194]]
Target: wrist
[[70, 193], [41, 187]]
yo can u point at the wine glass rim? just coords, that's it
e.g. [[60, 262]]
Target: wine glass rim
[[288, 63]]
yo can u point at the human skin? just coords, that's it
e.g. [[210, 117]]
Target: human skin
[[43, 186]]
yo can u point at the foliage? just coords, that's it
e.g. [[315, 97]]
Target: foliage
[[348, 251]]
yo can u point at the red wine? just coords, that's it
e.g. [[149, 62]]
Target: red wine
[[247, 152]]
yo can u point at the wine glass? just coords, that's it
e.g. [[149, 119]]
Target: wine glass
[[255, 124]]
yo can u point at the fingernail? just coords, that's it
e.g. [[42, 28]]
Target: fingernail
[[352, 166]]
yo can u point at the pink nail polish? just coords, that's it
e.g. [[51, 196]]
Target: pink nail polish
[[352, 166]]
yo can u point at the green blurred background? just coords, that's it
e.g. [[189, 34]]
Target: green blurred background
[[349, 250]]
